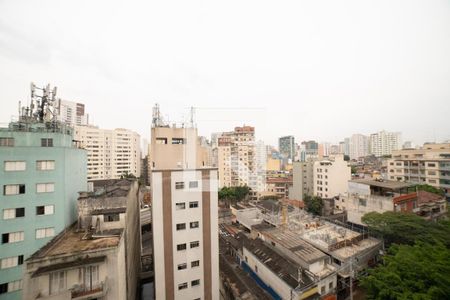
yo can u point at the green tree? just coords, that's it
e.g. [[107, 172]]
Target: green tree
[[313, 204], [427, 188], [421, 271], [231, 195], [406, 228]]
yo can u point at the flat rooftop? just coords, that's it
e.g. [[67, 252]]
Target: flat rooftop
[[286, 269], [293, 242], [387, 184], [72, 242]]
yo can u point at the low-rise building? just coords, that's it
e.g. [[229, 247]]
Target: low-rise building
[[428, 165], [98, 257], [425, 204], [367, 195], [331, 177]]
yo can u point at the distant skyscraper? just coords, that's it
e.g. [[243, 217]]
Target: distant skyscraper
[[72, 113], [359, 146], [237, 158], [111, 153], [286, 146], [383, 143]]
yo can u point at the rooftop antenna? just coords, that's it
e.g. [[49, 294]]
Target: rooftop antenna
[[156, 118], [191, 121]]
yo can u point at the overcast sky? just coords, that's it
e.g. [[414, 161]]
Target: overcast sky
[[313, 69]]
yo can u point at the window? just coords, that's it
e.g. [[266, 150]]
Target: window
[[10, 262], [182, 286], [195, 263], [182, 266], [178, 141], [111, 217], [57, 282], [362, 202], [45, 232], [10, 286], [179, 185], [161, 141], [181, 247], [193, 184], [195, 244], [432, 165], [322, 290], [44, 165], [194, 224], [6, 142], [12, 237], [13, 189], [180, 205], [193, 204], [45, 210], [47, 142], [15, 166], [13, 213], [195, 282], [45, 187], [90, 276], [181, 226], [330, 285]]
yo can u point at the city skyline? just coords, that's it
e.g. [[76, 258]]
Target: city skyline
[[296, 69]]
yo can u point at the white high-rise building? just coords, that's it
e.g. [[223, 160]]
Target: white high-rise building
[[72, 113], [237, 158], [331, 177], [185, 216], [111, 153], [359, 146], [384, 142]]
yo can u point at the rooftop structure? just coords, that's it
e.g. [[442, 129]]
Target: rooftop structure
[[97, 257], [425, 204]]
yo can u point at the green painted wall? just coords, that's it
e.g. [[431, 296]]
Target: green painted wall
[[69, 176]]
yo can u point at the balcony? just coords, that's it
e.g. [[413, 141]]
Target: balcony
[[81, 292], [77, 292]]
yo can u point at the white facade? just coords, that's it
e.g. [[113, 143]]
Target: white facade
[[359, 146], [185, 234], [111, 153], [383, 143], [331, 177], [72, 113], [429, 165], [237, 159], [359, 201]]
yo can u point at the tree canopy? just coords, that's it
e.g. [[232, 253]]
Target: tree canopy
[[234, 194], [427, 188], [406, 228], [421, 271], [313, 204]]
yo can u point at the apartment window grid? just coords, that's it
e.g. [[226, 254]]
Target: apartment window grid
[[195, 244], [47, 142], [11, 262], [42, 233], [45, 210], [6, 142], [9, 287], [45, 187], [45, 165], [12, 213], [14, 166], [12, 237], [13, 189]]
